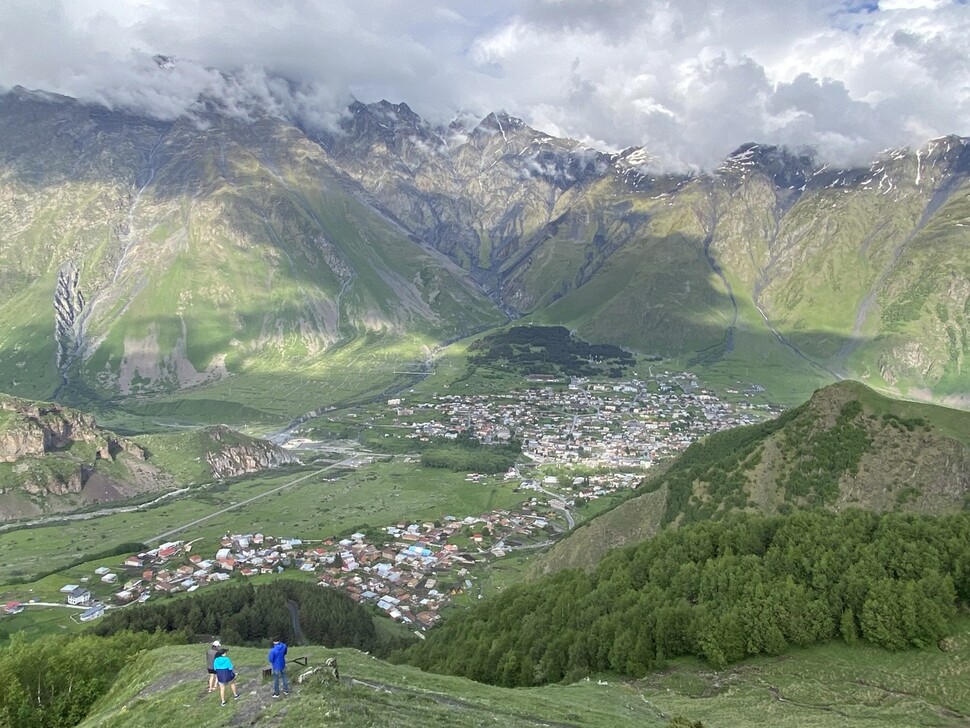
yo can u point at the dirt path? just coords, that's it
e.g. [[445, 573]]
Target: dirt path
[[162, 536], [295, 621]]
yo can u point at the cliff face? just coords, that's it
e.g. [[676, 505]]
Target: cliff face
[[34, 430], [235, 454], [27, 439], [58, 458]]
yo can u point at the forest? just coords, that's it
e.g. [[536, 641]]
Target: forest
[[252, 615], [468, 455], [722, 591], [53, 682], [548, 350]]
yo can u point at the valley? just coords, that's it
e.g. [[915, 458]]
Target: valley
[[585, 444], [491, 388], [248, 266], [364, 514]]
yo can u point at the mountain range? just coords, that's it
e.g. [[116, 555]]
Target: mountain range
[[253, 261]]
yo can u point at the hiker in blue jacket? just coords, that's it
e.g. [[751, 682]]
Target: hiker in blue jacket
[[225, 675], [277, 661]]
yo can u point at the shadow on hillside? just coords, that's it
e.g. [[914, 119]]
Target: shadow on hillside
[[377, 367], [657, 295], [654, 295]]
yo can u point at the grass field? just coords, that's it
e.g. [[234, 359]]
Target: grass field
[[35, 622], [496, 576], [318, 507], [832, 686]]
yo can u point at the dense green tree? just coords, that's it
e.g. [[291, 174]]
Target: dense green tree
[[249, 615], [849, 627], [53, 682], [746, 585]]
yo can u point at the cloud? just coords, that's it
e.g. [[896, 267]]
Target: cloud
[[690, 81]]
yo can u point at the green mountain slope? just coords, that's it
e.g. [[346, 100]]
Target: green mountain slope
[[255, 262], [818, 688], [165, 688], [771, 265], [752, 585], [162, 257], [847, 447]]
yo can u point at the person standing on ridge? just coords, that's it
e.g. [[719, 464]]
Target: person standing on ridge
[[210, 657], [226, 675], [277, 661]]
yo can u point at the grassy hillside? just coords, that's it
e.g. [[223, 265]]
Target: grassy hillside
[[846, 447], [815, 688], [772, 267], [56, 459], [146, 260]]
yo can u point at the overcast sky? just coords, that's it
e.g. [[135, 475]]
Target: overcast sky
[[689, 80]]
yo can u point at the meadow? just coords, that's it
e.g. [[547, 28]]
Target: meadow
[[328, 503], [35, 622], [832, 686]]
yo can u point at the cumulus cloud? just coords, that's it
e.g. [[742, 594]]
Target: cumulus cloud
[[690, 81]]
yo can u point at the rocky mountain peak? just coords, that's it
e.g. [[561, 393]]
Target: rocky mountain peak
[[783, 167], [951, 152], [395, 117], [163, 61], [499, 123], [633, 165], [385, 123]]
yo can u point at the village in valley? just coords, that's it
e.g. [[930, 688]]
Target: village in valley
[[409, 571], [597, 424], [581, 441]]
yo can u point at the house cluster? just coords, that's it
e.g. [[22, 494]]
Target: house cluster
[[163, 570], [137, 577], [619, 425], [588, 487], [252, 554], [409, 571]]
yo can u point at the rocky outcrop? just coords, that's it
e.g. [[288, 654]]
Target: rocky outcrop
[[57, 484], [26, 439], [35, 429], [235, 454], [41, 440]]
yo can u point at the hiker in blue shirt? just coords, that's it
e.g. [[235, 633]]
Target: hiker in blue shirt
[[277, 661], [226, 675]]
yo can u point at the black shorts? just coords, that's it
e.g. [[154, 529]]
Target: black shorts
[[210, 671]]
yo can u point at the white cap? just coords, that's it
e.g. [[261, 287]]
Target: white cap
[[216, 643]]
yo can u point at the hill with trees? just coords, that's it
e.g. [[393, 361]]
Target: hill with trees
[[721, 591], [847, 447], [143, 680]]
